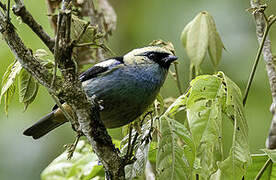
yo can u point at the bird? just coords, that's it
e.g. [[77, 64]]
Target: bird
[[124, 88]]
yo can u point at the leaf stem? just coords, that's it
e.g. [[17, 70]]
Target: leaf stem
[[260, 173], [8, 11], [257, 58], [129, 141], [72, 147], [177, 79], [74, 122], [56, 47]]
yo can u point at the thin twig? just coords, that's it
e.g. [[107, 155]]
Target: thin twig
[[177, 78], [74, 122], [20, 10], [261, 172], [72, 147], [56, 49], [261, 21], [83, 31], [137, 134], [105, 48], [89, 44], [8, 10], [256, 61], [129, 140]]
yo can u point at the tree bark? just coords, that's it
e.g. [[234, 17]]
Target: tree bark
[[261, 23], [68, 88]]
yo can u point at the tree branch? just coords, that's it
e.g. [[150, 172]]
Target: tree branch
[[23, 54], [20, 10], [69, 90], [3, 6], [261, 21]]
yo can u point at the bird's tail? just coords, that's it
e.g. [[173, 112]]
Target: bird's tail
[[43, 126]]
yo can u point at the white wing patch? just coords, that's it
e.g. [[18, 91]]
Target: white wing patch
[[108, 63]]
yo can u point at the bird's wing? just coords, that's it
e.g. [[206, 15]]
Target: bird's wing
[[98, 69], [101, 68]]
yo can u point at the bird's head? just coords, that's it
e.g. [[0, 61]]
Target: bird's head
[[150, 55]]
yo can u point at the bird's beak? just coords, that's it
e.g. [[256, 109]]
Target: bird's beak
[[169, 59]]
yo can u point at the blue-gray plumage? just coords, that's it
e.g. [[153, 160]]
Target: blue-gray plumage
[[124, 87]]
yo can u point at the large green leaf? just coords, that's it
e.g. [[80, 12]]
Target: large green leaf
[[258, 160], [184, 33], [28, 88], [84, 165], [198, 36], [8, 86], [197, 39], [234, 167], [204, 114], [176, 151], [215, 44], [209, 97]]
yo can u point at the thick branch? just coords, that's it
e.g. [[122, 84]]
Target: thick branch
[[261, 23], [71, 90], [87, 112], [23, 54], [20, 10]]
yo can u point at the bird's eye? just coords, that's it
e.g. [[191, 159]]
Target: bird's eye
[[151, 56]]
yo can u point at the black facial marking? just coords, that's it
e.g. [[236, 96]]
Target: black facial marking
[[158, 57], [120, 59]]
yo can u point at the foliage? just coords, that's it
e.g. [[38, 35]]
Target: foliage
[[177, 150], [8, 83], [84, 165], [194, 147], [27, 85], [199, 36]]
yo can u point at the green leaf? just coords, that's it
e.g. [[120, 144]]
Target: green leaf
[[178, 105], [78, 26], [8, 87], [141, 150], [28, 88], [152, 152], [183, 36], [258, 161], [215, 44], [234, 167], [8, 97], [271, 154], [176, 151], [160, 103], [208, 98], [204, 114], [46, 59], [41, 54], [197, 39], [83, 165]]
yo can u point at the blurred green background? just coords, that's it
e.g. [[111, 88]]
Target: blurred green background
[[139, 22]]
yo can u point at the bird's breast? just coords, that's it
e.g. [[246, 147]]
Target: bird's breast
[[124, 94]]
